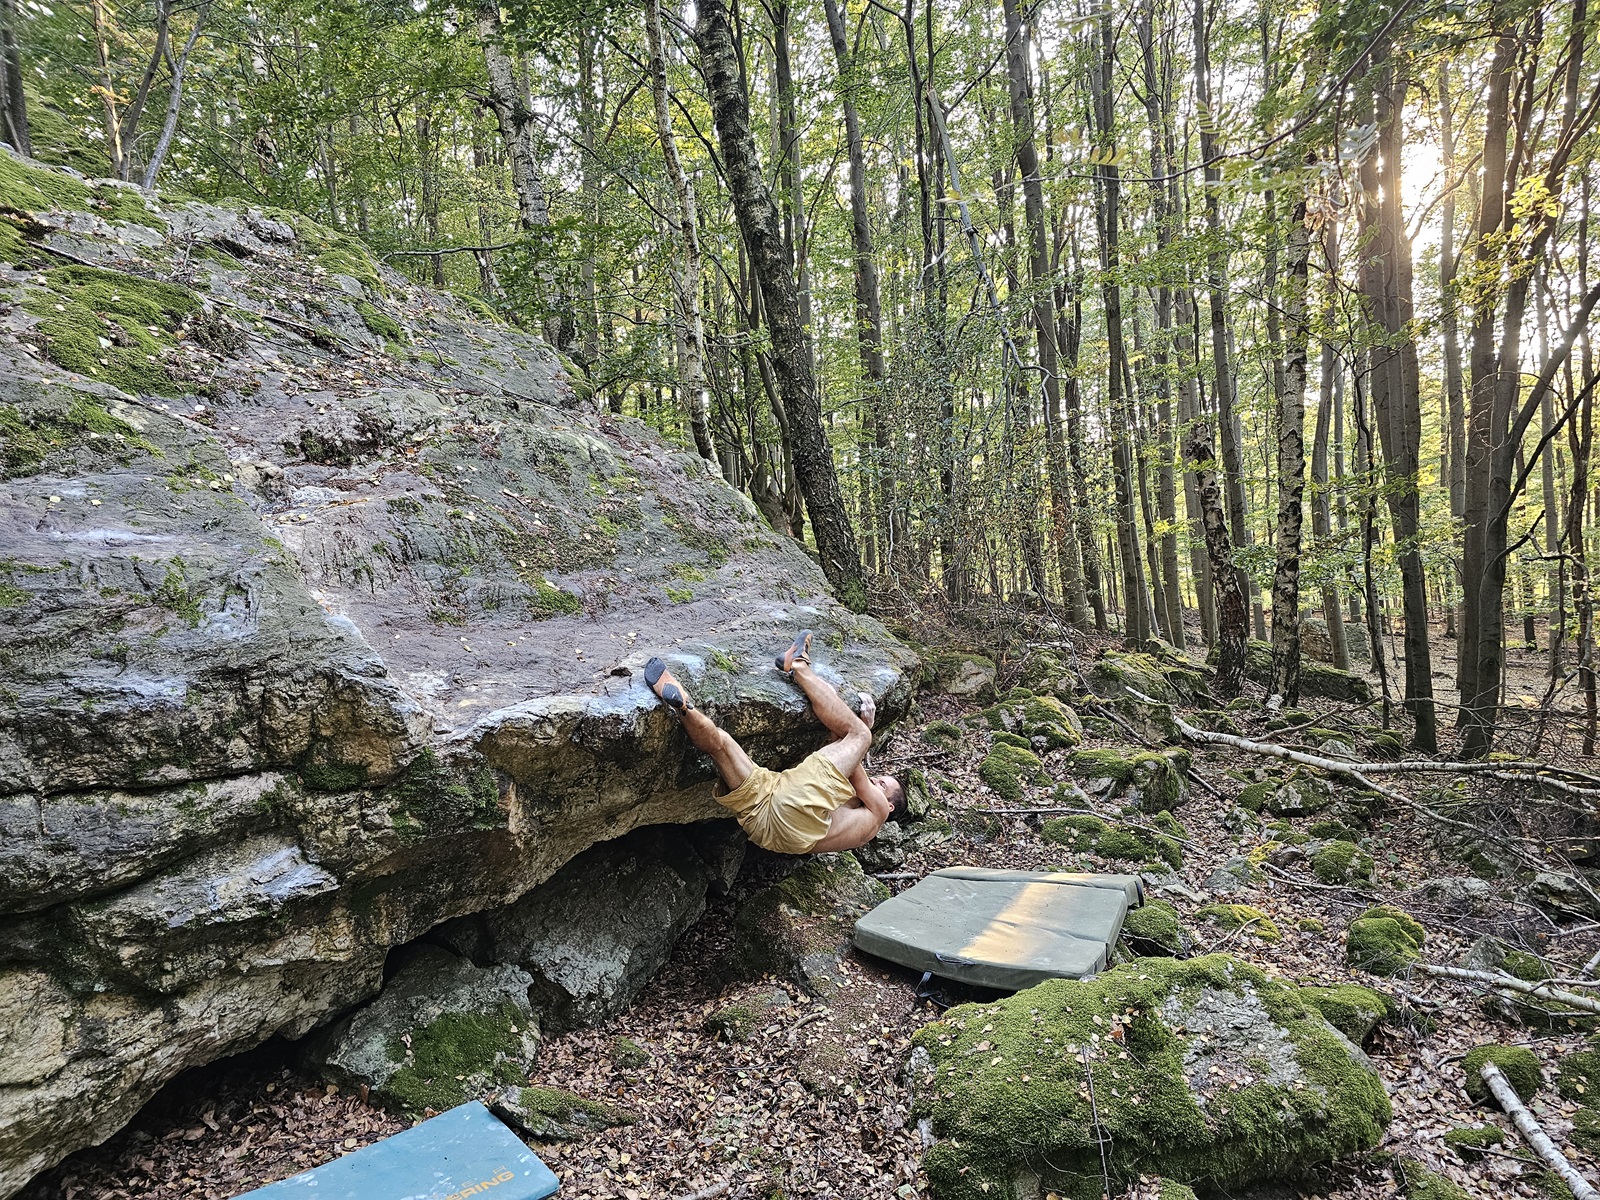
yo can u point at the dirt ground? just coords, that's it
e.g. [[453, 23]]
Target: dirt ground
[[762, 1120]]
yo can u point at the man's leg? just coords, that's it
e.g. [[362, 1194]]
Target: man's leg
[[732, 763], [854, 737], [856, 823]]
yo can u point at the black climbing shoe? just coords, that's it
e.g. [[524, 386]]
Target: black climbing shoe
[[799, 652], [665, 686]]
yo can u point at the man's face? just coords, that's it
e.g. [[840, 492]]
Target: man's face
[[891, 788]]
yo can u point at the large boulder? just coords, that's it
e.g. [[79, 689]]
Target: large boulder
[[1206, 1072], [323, 605], [443, 1031]]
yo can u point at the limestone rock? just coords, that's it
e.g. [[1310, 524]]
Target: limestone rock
[[1458, 893], [960, 674], [1153, 782], [1236, 1080], [321, 630], [438, 1019], [1044, 721], [553, 1115], [594, 934], [800, 929]]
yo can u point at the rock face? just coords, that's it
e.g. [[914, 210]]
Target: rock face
[[1205, 1072], [322, 607]]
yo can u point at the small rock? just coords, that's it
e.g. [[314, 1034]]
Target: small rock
[[552, 1115]]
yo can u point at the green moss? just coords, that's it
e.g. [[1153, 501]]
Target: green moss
[[1216, 720], [552, 1112], [1008, 1093], [550, 601], [1041, 718], [1102, 764], [1158, 778], [379, 323], [176, 596], [334, 777], [1419, 1183], [455, 1044], [679, 595], [1518, 1064], [1353, 1010], [1342, 862], [1242, 916], [1586, 1128], [25, 188], [1528, 967], [111, 326], [1115, 675], [1007, 768], [1154, 928], [1579, 1080], [1470, 1141], [1089, 834], [431, 797], [732, 1022], [1412, 927], [341, 255], [1379, 945], [1253, 797], [28, 439], [1331, 830], [688, 572], [630, 1055], [942, 733], [725, 662]]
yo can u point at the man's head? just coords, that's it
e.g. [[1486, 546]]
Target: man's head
[[895, 792]]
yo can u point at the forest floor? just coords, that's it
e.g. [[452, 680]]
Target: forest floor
[[754, 1119]]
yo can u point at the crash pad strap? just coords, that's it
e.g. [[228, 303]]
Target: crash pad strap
[[463, 1153]]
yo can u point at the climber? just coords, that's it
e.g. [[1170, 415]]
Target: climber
[[826, 803]]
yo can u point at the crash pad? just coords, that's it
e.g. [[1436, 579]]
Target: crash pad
[[1001, 929], [461, 1153]]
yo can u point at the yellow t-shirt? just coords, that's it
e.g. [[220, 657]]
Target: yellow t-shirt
[[788, 811]]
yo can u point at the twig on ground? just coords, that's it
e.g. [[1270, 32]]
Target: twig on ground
[[1279, 873], [1510, 983], [1538, 1140]]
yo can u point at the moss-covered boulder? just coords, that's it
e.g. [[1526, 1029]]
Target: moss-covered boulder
[[549, 1114], [1206, 1072], [1154, 930], [1468, 1142], [800, 928], [1341, 861], [1300, 793], [1381, 943], [1047, 673], [1586, 1128], [1353, 1010], [1317, 680], [1127, 843], [1008, 769], [959, 673], [1242, 917], [443, 1031], [1044, 721], [1155, 782], [1579, 1077], [944, 734], [1518, 1064]]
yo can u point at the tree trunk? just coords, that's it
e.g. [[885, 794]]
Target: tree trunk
[[1291, 464], [1232, 620], [761, 228], [13, 97], [1321, 508], [178, 71], [1063, 538], [686, 279]]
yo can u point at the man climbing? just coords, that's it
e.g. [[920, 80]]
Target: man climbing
[[826, 803]]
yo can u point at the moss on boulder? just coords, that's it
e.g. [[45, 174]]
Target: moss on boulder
[[800, 928], [1470, 1141], [1353, 1010], [1380, 945], [1317, 680], [1043, 720], [958, 673], [1579, 1078], [1091, 835], [944, 734], [1156, 782], [1417, 1182], [1153, 929], [1206, 1072], [1518, 1064], [549, 1114], [1342, 862], [1008, 768]]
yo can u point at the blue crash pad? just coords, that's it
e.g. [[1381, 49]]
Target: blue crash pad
[[461, 1153]]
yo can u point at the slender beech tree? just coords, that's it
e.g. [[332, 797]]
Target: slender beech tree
[[1291, 460]]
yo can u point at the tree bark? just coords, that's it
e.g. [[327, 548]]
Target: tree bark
[[1232, 619], [13, 97], [178, 70], [1291, 464], [686, 279], [761, 228]]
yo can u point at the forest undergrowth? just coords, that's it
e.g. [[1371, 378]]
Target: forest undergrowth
[[807, 1103]]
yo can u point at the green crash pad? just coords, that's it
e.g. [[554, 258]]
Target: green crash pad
[[1001, 929]]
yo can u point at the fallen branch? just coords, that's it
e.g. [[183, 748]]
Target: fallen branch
[[1510, 983], [1538, 1140], [1284, 876]]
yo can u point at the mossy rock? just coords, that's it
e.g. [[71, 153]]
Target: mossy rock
[[452, 1057], [1091, 835], [1115, 675], [1003, 1083], [1579, 1080], [630, 1055], [1384, 743], [1252, 920], [1171, 1189], [1470, 1141], [1290, 718], [1317, 680], [1353, 1010], [549, 1114], [1518, 1064], [1044, 672], [800, 928], [1042, 720], [1380, 946], [1156, 781], [1008, 769], [944, 734], [1154, 930], [1586, 1129], [1216, 720], [745, 1012], [1011, 739], [1417, 1182], [1413, 927], [1342, 862], [1331, 830], [958, 673], [1302, 794]]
